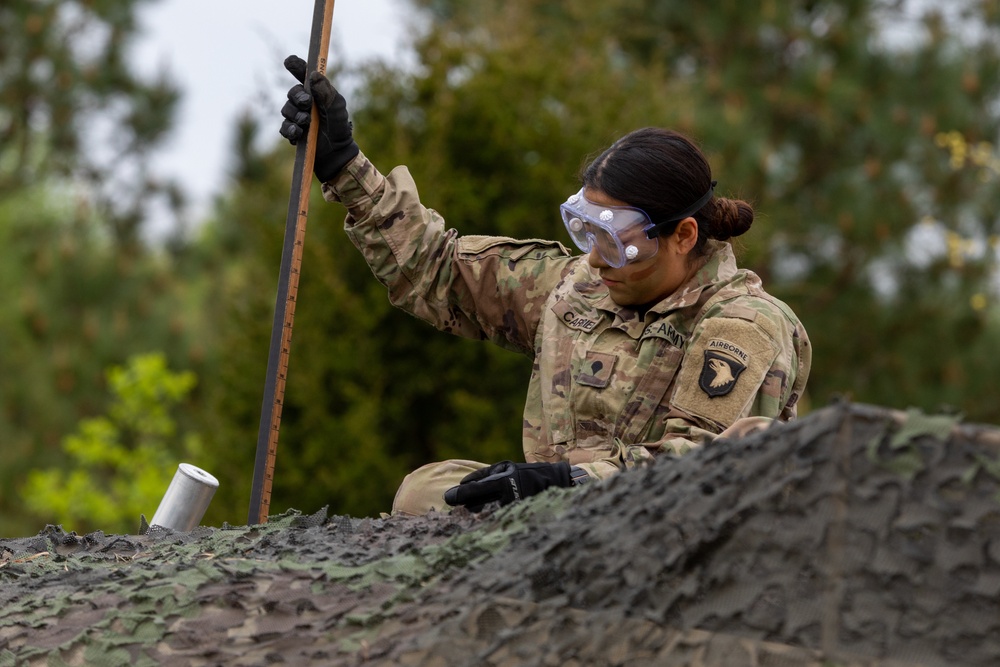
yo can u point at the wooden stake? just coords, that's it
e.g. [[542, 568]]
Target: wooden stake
[[288, 281]]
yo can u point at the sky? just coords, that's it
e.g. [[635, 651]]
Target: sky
[[226, 57]]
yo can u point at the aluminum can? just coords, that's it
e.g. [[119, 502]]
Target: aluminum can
[[186, 499]]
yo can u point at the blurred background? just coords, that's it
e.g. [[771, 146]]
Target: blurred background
[[143, 192]]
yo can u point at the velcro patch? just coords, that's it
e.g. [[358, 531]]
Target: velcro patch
[[573, 319], [725, 365], [665, 331], [596, 370]]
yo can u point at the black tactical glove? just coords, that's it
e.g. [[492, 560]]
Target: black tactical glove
[[335, 146], [507, 481]]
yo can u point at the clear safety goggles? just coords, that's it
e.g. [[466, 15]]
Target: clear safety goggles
[[619, 233]]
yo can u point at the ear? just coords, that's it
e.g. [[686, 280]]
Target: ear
[[685, 236]]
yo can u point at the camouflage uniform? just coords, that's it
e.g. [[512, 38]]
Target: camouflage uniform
[[609, 388]]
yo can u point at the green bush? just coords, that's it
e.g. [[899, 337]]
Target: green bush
[[124, 461]]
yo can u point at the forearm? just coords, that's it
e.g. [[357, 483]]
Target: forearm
[[405, 244], [683, 434]]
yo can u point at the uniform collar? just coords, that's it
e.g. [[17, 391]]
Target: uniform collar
[[718, 266]]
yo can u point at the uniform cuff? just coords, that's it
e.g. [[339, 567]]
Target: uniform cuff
[[358, 187]]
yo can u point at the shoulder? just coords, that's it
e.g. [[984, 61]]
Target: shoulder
[[745, 341], [743, 298]]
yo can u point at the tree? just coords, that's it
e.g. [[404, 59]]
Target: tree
[[804, 107], [847, 141], [71, 107], [83, 289], [76, 305], [828, 115]]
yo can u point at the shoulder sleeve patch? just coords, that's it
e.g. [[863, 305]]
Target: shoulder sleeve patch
[[723, 369]]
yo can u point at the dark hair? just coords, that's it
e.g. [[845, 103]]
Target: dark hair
[[663, 173]]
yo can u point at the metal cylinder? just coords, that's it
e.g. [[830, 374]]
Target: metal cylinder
[[186, 499]]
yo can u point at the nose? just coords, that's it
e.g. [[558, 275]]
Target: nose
[[595, 259]]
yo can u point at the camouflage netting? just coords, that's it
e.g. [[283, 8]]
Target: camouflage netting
[[855, 536]]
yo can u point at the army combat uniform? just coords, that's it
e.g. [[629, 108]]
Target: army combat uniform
[[609, 388]]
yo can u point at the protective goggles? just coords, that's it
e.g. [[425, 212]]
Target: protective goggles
[[618, 232], [621, 234]]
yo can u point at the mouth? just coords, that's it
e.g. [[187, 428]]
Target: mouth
[[608, 282]]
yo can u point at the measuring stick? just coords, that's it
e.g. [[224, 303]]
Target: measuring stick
[[288, 281]]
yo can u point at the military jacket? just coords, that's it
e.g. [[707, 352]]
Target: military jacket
[[610, 387]]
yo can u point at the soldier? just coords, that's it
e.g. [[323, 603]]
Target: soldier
[[652, 342]]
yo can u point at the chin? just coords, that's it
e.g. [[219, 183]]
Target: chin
[[623, 299]]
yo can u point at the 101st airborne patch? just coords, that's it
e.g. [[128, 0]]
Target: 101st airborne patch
[[719, 374]]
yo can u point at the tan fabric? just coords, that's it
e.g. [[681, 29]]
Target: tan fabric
[[741, 428], [721, 344], [423, 489]]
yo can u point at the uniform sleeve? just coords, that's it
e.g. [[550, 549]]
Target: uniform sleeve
[[748, 357], [745, 364], [477, 287], [683, 435]]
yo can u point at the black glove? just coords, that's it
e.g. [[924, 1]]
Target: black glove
[[335, 146], [506, 482]]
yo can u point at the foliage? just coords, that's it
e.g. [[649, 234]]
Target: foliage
[[75, 305], [804, 107], [862, 131], [83, 291], [71, 106], [120, 463]]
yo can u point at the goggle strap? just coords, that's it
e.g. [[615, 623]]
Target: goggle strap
[[686, 213]]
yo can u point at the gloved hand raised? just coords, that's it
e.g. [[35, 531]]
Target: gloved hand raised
[[506, 482], [335, 146]]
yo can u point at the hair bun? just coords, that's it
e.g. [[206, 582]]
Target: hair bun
[[732, 218]]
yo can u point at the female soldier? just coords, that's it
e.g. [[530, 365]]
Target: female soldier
[[652, 342]]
